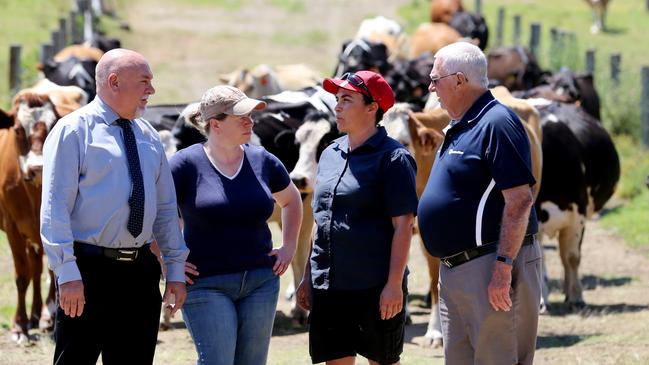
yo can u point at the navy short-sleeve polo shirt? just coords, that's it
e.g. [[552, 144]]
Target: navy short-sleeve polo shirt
[[356, 195], [462, 205]]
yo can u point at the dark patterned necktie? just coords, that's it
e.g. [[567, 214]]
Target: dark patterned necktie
[[136, 201]]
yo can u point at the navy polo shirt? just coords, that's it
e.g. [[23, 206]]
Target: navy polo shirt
[[462, 205], [356, 195], [225, 217]]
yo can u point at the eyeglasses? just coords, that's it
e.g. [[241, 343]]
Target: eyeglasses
[[357, 81], [435, 80]]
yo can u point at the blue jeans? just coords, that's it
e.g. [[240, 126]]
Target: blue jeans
[[230, 316]]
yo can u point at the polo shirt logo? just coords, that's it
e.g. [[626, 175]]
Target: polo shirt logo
[[455, 152]]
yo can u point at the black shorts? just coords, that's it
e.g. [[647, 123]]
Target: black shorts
[[347, 323]]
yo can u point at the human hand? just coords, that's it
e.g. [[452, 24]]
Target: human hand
[[178, 291], [499, 286], [283, 257], [71, 298], [303, 295], [391, 300], [191, 270]]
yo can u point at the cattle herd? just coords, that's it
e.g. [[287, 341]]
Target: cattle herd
[[574, 159]]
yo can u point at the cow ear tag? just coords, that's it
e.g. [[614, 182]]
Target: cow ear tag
[[264, 81]]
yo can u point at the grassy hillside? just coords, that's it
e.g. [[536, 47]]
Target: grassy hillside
[[29, 23]]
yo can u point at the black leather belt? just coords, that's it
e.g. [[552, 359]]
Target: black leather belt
[[475, 252], [119, 254]]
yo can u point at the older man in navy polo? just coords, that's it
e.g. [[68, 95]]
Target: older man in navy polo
[[477, 215]]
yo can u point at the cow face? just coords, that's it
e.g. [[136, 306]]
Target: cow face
[[471, 26], [396, 125], [256, 83], [359, 54], [72, 72], [317, 132], [36, 115]]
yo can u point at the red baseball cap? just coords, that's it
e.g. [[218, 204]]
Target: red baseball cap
[[365, 82]]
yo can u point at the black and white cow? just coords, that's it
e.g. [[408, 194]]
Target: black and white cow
[[581, 168], [361, 54], [567, 87], [472, 26], [72, 72]]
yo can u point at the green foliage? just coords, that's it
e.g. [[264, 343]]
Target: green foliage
[[635, 168], [630, 221]]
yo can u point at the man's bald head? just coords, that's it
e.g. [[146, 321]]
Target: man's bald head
[[124, 82], [116, 61]]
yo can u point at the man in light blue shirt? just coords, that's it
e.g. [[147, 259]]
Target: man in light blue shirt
[[107, 194]]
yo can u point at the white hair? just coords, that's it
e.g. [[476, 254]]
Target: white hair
[[466, 58]]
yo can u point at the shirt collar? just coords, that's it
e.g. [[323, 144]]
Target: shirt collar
[[104, 111], [374, 142], [478, 106]]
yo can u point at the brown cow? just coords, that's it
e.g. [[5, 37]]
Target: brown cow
[[515, 68], [264, 80], [430, 37], [442, 11], [20, 197], [79, 51]]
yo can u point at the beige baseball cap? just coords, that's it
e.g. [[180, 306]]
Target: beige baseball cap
[[226, 99]]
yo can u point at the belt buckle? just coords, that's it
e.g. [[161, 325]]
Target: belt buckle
[[446, 262], [126, 255]]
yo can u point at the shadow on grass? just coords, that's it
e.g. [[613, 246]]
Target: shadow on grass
[[594, 310], [286, 326], [552, 341], [415, 330], [591, 282]]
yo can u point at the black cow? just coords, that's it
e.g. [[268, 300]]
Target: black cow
[[581, 168], [360, 54], [409, 79], [567, 87], [72, 72], [472, 26]]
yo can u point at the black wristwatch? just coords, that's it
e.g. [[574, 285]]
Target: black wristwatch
[[506, 259]]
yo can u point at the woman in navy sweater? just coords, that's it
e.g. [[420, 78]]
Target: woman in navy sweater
[[226, 191]]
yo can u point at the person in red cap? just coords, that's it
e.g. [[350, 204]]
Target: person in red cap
[[364, 202]]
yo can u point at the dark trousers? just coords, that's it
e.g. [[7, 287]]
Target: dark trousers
[[120, 317]]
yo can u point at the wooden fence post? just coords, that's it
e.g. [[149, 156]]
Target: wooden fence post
[[478, 7], [616, 59], [644, 107], [63, 32], [535, 39], [75, 30], [55, 37], [517, 30], [14, 68], [499, 26], [47, 52], [590, 61]]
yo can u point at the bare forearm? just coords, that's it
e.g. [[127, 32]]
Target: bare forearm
[[291, 222], [400, 248], [514, 224]]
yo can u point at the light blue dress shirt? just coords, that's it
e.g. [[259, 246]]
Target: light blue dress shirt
[[86, 186]]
